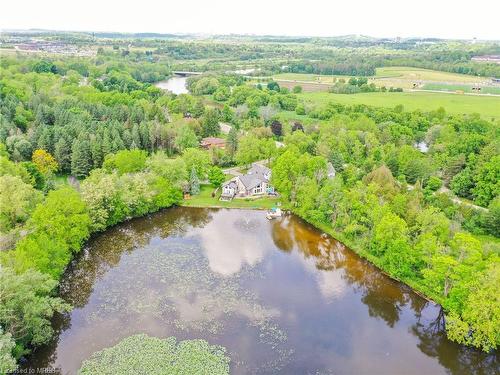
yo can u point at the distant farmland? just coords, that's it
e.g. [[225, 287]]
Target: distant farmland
[[487, 107], [404, 77], [495, 90], [306, 86]]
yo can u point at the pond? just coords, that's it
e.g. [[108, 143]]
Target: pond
[[279, 295], [176, 85]]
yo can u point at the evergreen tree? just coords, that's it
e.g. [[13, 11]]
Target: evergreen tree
[[145, 139], [136, 136], [45, 140], [62, 153], [96, 151], [194, 182], [232, 142], [106, 144], [81, 158], [127, 138]]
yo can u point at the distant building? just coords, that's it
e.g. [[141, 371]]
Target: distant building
[[255, 183], [225, 128], [487, 58], [212, 142], [330, 170]]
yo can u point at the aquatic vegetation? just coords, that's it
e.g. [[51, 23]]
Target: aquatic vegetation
[[141, 354], [174, 284]]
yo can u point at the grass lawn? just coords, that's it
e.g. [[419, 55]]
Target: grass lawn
[[204, 199], [61, 180], [487, 107], [465, 88]]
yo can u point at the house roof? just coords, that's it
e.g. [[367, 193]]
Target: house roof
[[255, 176], [330, 169], [258, 169], [230, 184], [212, 141], [251, 180]]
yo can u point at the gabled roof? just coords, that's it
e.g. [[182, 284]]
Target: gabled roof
[[230, 184], [258, 169], [330, 169], [252, 180]]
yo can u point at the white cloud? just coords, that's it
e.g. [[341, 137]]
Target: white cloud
[[445, 18]]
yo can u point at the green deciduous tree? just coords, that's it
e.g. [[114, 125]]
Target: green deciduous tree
[[210, 122], [7, 360], [391, 243], [64, 216], [125, 161], [487, 182], [186, 138], [172, 170], [27, 306], [198, 160], [480, 319], [17, 201], [216, 176]]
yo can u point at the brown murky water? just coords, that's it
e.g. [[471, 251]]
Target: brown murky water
[[278, 295]]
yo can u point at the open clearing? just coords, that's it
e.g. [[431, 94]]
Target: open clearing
[[495, 90], [425, 75], [205, 199], [404, 77], [487, 107]]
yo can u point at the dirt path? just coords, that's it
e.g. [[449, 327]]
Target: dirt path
[[457, 200]]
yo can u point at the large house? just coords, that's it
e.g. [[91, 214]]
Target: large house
[[254, 183]]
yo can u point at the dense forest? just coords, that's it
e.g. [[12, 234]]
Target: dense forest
[[90, 142]]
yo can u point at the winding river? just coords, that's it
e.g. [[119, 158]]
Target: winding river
[[279, 295], [176, 85]]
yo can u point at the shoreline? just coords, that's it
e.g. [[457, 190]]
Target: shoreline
[[332, 233]]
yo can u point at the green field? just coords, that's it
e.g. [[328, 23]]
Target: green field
[[304, 77], [409, 73], [486, 106], [205, 199], [495, 90], [401, 72], [397, 76]]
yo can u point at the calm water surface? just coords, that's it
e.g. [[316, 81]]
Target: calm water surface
[[278, 295], [176, 85]]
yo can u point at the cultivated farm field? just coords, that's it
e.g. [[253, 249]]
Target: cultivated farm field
[[488, 107], [404, 77]]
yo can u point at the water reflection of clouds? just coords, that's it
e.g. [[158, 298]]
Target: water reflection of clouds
[[211, 308], [230, 242], [321, 256]]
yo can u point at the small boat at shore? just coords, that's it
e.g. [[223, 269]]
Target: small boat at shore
[[273, 213]]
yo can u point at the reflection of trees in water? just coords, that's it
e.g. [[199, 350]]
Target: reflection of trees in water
[[282, 235], [458, 359], [106, 249], [384, 297]]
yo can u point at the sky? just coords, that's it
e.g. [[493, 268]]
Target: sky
[[453, 19]]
